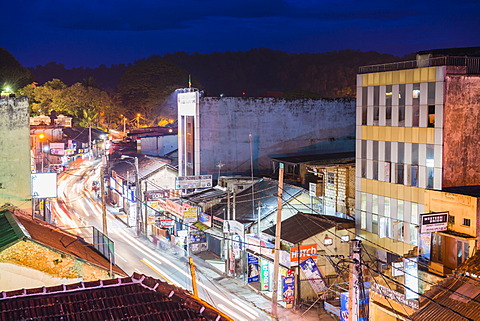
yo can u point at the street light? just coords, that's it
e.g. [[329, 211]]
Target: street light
[[137, 194]]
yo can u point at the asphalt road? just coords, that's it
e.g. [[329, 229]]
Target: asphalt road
[[78, 209]]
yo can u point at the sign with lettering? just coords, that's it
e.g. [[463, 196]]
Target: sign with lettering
[[265, 278], [299, 254], [393, 295], [434, 222], [192, 182], [253, 269]]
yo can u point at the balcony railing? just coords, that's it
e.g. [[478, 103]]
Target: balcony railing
[[471, 64]]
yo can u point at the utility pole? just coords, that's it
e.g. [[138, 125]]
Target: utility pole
[[194, 277], [258, 218], [138, 195], [104, 206], [278, 231], [356, 279]]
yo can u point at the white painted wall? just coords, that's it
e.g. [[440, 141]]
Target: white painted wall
[[278, 126]]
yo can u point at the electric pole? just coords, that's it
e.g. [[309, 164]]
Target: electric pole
[[278, 231], [356, 280]]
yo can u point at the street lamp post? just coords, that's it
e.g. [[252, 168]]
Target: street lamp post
[[138, 194]]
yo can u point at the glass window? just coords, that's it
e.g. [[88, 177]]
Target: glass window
[[364, 149], [375, 170], [386, 201], [400, 210], [414, 153], [387, 151], [363, 220], [414, 213], [388, 105], [401, 105], [375, 223], [399, 174], [466, 222], [413, 234], [386, 172], [414, 175], [431, 93], [363, 203], [416, 105], [364, 168], [375, 204], [459, 252], [451, 219], [429, 177], [375, 149], [401, 152], [431, 116], [376, 98], [331, 178], [364, 105], [430, 153]]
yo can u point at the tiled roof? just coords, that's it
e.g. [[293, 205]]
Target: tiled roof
[[54, 238], [133, 298], [265, 191], [455, 298], [302, 226]]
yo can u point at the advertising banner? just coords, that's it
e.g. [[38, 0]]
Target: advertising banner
[[190, 214], [411, 278], [265, 277], [289, 291], [253, 269], [313, 275]]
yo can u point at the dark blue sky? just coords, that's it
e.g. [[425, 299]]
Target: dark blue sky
[[90, 33]]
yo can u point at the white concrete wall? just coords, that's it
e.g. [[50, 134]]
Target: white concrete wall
[[15, 167], [159, 145], [278, 126]]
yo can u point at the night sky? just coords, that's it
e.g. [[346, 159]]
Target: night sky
[[89, 33]]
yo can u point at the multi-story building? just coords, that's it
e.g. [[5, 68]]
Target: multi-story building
[[417, 129]]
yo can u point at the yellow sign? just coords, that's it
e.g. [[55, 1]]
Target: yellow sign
[[190, 214]]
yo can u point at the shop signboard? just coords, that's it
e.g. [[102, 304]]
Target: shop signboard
[[190, 214], [313, 275], [205, 219], [434, 222], [193, 182], [299, 254], [168, 222], [44, 185], [289, 291], [265, 277], [253, 269]]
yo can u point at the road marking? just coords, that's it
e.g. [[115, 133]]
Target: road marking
[[150, 265]]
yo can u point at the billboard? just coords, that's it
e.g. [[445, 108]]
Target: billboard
[[313, 275], [434, 222], [190, 214], [44, 185], [253, 269], [289, 291], [265, 277], [192, 182]]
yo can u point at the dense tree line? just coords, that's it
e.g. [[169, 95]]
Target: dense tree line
[[145, 87]]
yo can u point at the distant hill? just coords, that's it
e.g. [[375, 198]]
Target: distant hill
[[251, 73]]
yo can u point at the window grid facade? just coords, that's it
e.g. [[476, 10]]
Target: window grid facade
[[397, 160]]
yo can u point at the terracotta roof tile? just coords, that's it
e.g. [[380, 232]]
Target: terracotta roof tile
[[135, 298]]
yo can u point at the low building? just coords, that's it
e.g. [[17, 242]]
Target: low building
[[35, 253]]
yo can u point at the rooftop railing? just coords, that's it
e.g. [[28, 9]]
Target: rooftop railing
[[472, 64]]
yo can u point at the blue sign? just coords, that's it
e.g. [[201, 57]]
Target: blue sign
[[253, 269]]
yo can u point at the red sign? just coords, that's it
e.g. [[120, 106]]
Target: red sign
[[298, 255], [166, 223]]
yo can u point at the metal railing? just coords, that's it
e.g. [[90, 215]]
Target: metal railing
[[471, 64]]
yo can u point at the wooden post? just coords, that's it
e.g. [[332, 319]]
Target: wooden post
[[278, 231]]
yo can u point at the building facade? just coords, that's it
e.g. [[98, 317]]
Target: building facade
[[415, 139], [226, 136]]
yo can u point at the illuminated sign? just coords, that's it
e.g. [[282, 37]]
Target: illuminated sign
[[44, 185], [298, 255], [434, 222]]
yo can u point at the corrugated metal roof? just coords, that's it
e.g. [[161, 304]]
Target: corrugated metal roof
[[455, 298], [265, 191], [10, 232], [302, 226]]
